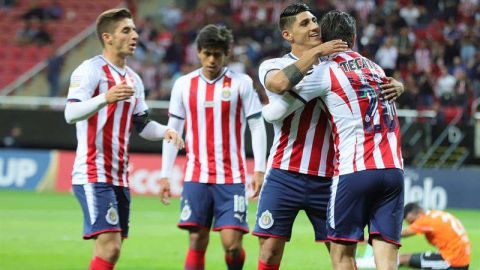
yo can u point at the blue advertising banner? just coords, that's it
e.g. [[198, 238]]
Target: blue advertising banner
[[443, 188], [24, 169]]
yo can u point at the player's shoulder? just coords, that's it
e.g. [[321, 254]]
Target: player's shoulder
[[90, 65], [239, 76], [186, 78], [278, 62]]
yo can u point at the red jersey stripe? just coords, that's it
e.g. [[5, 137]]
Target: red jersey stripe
[[92, 147], [317, 144], [108, 130], [238, 137], [194, 116], [299, 143], [227, 160], [283, 142], [210, 132]]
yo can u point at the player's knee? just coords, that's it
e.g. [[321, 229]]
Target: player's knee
[[113, 250], [270, 254], [199, 240]]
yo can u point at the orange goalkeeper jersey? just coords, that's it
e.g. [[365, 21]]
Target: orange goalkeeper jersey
[[445, 231]]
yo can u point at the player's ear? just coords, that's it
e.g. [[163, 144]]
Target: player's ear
[[287, 35], [107, 38]]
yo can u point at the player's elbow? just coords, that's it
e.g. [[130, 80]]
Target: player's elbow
[[68, 117], [278, 86], [268, 115]]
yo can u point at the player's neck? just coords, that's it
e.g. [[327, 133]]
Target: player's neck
[[115, 59], [298, 51]]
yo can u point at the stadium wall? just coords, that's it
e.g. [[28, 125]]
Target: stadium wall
[[49, 170]]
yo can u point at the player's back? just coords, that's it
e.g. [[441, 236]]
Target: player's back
[[365, 125], [302, 141], [447, 233], [215, 112]]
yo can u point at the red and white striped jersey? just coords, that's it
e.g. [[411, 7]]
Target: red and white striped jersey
[[365, 125], [103, 138], [303, 141], [215, 113]]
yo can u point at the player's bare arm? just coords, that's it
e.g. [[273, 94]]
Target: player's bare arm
[[165, 192], [392, 89], [257, 182], [407, 232], [279, 81]]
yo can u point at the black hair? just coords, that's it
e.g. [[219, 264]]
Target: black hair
[[287, 18], [338, 25], [411, 208], [214, 36]]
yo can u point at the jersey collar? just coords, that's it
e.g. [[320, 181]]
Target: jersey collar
[[121, 71], [225, 69]]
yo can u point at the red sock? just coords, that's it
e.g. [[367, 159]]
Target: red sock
[[235, 263], [264, 266], [98, 263], [195, 260]]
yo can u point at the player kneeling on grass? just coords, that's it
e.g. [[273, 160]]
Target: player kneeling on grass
[[105, 99], [442, 230]]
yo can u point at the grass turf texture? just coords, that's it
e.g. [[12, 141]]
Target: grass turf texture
[[43, 231]]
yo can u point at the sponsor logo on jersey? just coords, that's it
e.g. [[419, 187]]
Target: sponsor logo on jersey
[[112, 215], [186, 212], [266, 220]]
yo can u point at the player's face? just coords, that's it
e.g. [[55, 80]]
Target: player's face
[[212, 60], [411, 217], [305, 30], [124, 38]]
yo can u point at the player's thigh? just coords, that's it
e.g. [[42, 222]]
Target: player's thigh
[[123, 199], [347, 213], [428, 260], [230, 207], [387, 211], [196, 206], [100, 208], [282, 196], [318, 195]]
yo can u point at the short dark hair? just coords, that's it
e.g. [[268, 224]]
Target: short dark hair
[[287, 18], [338, 25], [411, 208], [214, 36], [106, 21]]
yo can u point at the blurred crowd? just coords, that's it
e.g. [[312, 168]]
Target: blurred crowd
[[432, 46]]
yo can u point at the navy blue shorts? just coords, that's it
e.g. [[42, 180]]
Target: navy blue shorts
[[106, 208], [283, 195], [202, 203], [370, 197]]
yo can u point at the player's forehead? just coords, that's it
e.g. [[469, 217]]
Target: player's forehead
[[212, 50], [126, 23], [304, 17]]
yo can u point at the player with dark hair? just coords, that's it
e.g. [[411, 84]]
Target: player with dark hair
[[214, 104], [443, 231], [367, 185], [105, 100], [302, 158]]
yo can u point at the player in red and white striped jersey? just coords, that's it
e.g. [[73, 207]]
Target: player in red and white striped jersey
[[214, 104], [369, 172], [105, 100]]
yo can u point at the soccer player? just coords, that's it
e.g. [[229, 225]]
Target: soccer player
[[105, 100], [215, 103], [367, 185], [442, 230], [302, 155]]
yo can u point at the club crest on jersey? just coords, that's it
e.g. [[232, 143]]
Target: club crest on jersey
[[186, 212], [226, 93], [112, 215], [266, 220]]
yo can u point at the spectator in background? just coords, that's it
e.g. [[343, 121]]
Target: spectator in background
[[444, 88], [25, 34], [422, 56], [54, 11], [42, 37], [410, 13], [54, 70], [387, 55]]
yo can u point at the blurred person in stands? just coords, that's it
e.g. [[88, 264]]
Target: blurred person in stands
[[54, 70], [214, 104], [386, 56], [105, 100], [443, 231], [11, 139]]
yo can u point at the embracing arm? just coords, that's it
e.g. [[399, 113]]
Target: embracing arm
[[281, 108]]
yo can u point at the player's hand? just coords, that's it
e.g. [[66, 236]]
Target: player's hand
[[165, 193], [173, 137], [392, 89], [119, 92], [332, 46], [257, 183]]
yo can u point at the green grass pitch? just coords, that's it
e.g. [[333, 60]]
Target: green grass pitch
[[43, 231]]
